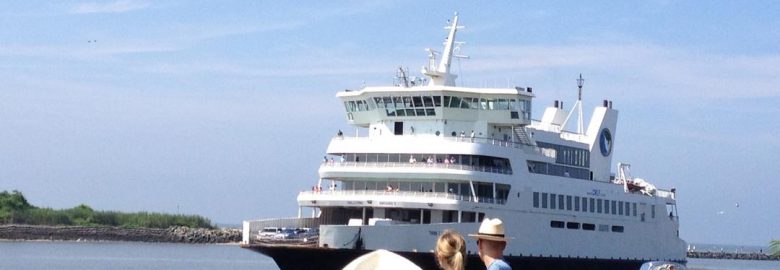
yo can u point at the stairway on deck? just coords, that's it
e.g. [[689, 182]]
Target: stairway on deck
[[522, 136]]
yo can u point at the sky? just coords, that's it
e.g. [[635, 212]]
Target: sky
[[225, 108]]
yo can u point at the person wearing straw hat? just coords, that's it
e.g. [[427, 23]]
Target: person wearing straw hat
[[491, 242]]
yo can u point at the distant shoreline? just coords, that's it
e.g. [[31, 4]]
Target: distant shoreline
[[752, 256], [21, 232]]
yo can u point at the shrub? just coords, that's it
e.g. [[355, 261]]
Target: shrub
[[14, 208]]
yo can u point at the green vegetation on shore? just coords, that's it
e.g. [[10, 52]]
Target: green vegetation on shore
[[14, 209], [774, 248]]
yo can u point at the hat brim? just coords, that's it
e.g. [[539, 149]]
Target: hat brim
[[489, 237]]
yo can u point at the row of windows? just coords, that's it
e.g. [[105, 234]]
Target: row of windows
[[558, 170], [568, 155], [583, 204], [425, 105], [585, 226], [477, 162], [483, 190]]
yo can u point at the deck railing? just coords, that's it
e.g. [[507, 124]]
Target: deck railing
[[407, 194], [480, 140], [350, 164]]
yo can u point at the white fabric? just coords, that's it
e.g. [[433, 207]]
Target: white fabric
[[381, 260]]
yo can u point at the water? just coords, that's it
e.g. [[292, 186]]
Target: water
[[126, 255]]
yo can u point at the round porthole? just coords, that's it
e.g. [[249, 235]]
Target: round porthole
[[454, 134], [438, 133], [605, 142]]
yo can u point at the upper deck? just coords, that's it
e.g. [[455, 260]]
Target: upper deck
[[509, 106]]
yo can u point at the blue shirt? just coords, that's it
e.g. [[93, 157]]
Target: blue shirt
[[499, 264]]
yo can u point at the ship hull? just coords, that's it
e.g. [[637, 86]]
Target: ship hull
[[300, 258]]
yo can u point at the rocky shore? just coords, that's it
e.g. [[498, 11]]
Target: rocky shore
[[104, 233], [732, 256]]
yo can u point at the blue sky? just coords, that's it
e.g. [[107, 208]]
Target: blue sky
[[225, 108]]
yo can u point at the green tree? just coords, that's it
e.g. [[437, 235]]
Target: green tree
[[774, 248]]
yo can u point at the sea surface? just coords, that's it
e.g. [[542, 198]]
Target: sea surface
[[126, 255]]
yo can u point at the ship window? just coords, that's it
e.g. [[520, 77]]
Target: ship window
[[483, 104], [446, 101], [428, 101], [449, 216], [410, 112], [417, 101], [572, 225], [544, 200], [588, 226], [553, 199], [617, 228], [408, 102], [592, 205], [606, 206], [468, 216], [480, 216], [584, 204], [465, 190], [420, 112], [560, 201], [613, 207], [438, 187], [437, 101], [491, 104], [502, 193], [475, 103], [502, 104], [620, 208], [576, 203], [465, 103], [556, 224], [568, 202], [430, 112], [536, 199], [455, 103], [652, 211], [378, 101], [634, 208], [599, 205], [628, 209], [603, 227]]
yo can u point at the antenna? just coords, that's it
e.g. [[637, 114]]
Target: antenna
[[440, 75], [578, 107]]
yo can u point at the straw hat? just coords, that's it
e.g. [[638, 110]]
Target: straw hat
[[381, 260], [491, 229]]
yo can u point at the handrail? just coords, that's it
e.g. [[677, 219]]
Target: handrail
[[388, 164], [548, 152], [399, 193]]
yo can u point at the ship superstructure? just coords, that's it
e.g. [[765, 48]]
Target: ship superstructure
[[439, 156]]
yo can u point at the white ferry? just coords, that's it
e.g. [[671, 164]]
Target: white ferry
[[439, 156]]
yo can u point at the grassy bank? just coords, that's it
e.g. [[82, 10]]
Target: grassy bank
[[14, 209]]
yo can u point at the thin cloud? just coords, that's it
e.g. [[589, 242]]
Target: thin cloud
[[665, 71], [119, 6]]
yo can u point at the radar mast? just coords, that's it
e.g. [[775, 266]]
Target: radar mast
[[440, 75]]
